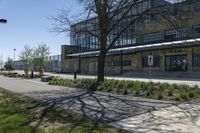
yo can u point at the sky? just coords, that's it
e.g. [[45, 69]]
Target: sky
[[28, 23]]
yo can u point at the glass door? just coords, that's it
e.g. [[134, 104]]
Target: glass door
[[176, 63]]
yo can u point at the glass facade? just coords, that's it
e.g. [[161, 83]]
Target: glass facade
[[176, 63], [152, 37], [196, 30], [188, 6], [175, 34], [196, 59], [85, 41]]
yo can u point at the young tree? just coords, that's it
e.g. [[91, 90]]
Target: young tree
[[39, 57], [1, 63], [111, 15], [8, 64], [26, 56]]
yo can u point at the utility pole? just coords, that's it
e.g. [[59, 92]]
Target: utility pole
[[14, 57], [2, 21]]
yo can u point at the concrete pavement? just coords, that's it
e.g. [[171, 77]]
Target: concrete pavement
[[21, 86], [131, 113], [180, 118], [163, 79], [102, 106]]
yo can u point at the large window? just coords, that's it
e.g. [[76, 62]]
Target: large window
[[156, 61], [196, 29], [152, 37], [174, 34], [118, 63], [196, 59], [192, 6]]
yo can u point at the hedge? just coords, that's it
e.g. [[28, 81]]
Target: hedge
[[152, 90]]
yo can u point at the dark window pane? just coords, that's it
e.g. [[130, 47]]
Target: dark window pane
[[173, 34], [196, 59], [152, 37]]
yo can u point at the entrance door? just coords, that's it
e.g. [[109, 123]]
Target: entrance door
[[176, 63]]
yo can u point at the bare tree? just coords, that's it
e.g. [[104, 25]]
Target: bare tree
[[26, 56], [8, 64], [39, 57], [109, 15], [1, 62]]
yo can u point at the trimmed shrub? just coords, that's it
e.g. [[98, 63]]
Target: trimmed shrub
[[183, 95], [160, 96], [162, 91], [192, 94]]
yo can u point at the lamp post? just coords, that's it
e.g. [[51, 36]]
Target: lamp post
[[14, 57], [1, 62], [3, 21]]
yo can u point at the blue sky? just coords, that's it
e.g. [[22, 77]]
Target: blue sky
[[28, 23]]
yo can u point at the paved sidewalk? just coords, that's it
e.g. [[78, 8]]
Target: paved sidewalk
[[130, 113], [181, 118], [102, 106], [163, 78]]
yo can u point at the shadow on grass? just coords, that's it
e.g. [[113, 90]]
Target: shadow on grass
[[31, 115]]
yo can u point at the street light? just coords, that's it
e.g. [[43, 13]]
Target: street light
[[3, 21], [14, 57]]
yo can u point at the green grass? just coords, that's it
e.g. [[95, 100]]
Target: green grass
[[20, 114], [161, 91]]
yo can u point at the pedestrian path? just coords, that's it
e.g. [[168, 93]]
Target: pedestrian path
[[187, 78], [131, 113], [180, 118]]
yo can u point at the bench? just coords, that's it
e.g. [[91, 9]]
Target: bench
[[46, 78], [12, 74]]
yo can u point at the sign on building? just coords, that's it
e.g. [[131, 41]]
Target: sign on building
[[150, 60]]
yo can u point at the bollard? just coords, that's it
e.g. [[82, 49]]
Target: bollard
[[32, 74], [74, 75]]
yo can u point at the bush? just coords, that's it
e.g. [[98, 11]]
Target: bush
[[159, 91], [170, 91], [183, 95], [192, 94], [159, 96], [125, 91]]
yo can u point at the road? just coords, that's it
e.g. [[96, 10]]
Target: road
[[131, 113]]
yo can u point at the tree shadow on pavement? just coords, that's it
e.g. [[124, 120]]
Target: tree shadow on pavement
[[98, 106], [180, 117]]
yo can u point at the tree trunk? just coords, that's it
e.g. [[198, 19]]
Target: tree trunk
[[101, 64]]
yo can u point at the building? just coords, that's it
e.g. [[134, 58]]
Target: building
[[53, 64], [173, 49]]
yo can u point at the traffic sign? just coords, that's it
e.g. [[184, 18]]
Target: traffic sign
[[150, 60]]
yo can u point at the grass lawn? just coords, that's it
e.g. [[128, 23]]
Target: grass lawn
[[20, 114]]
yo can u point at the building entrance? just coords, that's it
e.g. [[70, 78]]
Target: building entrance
[[176, 63]]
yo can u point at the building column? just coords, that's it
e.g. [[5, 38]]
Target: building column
[[121, 62], [162, 61], [189, 59], [79, 64]]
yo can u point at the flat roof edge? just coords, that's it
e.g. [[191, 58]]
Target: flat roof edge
[[140, 47]]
